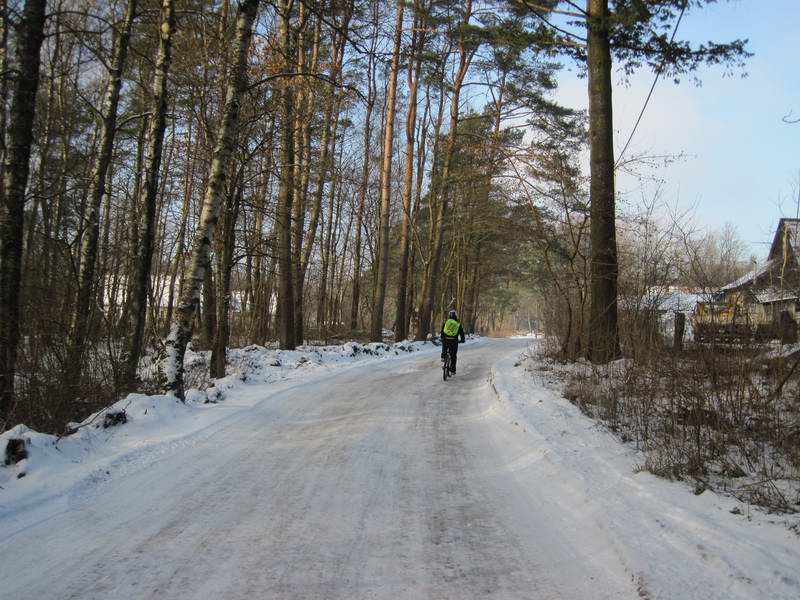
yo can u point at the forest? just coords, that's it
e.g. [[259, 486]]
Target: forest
[[213, 174], [242, 242]]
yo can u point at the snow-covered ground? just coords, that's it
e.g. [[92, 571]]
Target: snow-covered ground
[[675, 544], [376, 481], [157, 425]]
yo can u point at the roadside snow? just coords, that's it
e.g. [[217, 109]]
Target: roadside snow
[[558, 482], [676, 544], [157, 425]]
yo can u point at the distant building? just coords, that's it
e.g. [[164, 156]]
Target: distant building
[[765, 302]]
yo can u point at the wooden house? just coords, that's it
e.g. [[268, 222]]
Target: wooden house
[[765, 302]]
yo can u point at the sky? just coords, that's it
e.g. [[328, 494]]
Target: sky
[[741, 161]]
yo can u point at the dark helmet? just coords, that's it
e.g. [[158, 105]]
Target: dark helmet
[[452, 314]]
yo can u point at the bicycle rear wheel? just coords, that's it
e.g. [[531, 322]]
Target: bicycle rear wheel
[[446, 366]]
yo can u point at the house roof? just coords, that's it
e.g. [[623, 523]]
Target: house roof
[[783, 251], [773, 294], [750, 276], [665, 299], [787, 232]]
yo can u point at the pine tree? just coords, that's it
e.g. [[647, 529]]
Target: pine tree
[[634, 32]]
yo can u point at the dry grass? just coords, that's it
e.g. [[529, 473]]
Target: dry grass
[[721, 417]]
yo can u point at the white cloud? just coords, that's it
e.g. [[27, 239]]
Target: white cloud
[[734, 169]]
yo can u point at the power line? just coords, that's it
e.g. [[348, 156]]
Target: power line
[[650, 93]]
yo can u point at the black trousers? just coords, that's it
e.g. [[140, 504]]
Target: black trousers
[[451, 346]]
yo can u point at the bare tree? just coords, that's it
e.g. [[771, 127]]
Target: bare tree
[[466, 51], [97, 192], [379, 298], [15, 178], [147, 203], [181, 330]]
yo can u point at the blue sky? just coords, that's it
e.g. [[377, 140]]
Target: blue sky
[[742, 161]]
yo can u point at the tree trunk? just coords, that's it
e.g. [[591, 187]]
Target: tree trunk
[[147, 204], [401, 319], [222, 336], [333, 236], [97, 190], [327, 146], [133, 224], [376, 330], [181, 329], [49, 122], [188, 188], [303, 100], [362, 191], [422, 157], [431, 279], [3, 83], [260, 305], [284, 207], [15, 179], [325, 257], [471, 293], [603, 333]]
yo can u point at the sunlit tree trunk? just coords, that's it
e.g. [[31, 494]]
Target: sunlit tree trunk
[[326, 246], [414, 246], [376, 330], [147, 204], [181, 330], [327, 146], [431, 280], [401, 320], [362, 190]]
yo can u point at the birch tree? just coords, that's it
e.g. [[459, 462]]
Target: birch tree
[[181, 329], [147, 202]]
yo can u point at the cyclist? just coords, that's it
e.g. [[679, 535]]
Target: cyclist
[[452, 332]]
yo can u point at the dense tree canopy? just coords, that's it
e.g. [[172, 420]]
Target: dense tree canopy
[[322, 169]]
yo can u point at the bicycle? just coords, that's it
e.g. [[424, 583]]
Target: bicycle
[[446, 365]]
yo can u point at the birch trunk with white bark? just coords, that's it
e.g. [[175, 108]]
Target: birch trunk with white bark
[[181, 329], [147, 203]]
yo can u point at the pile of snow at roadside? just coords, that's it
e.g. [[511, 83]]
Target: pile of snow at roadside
[[154, 425], [674, 543]]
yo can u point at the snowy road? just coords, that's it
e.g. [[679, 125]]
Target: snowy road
[[374, 482], [379, 482]]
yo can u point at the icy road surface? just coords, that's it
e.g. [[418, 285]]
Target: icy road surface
[[376, 482]]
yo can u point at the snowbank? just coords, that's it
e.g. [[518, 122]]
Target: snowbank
[[137, 430], [675, 544]]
